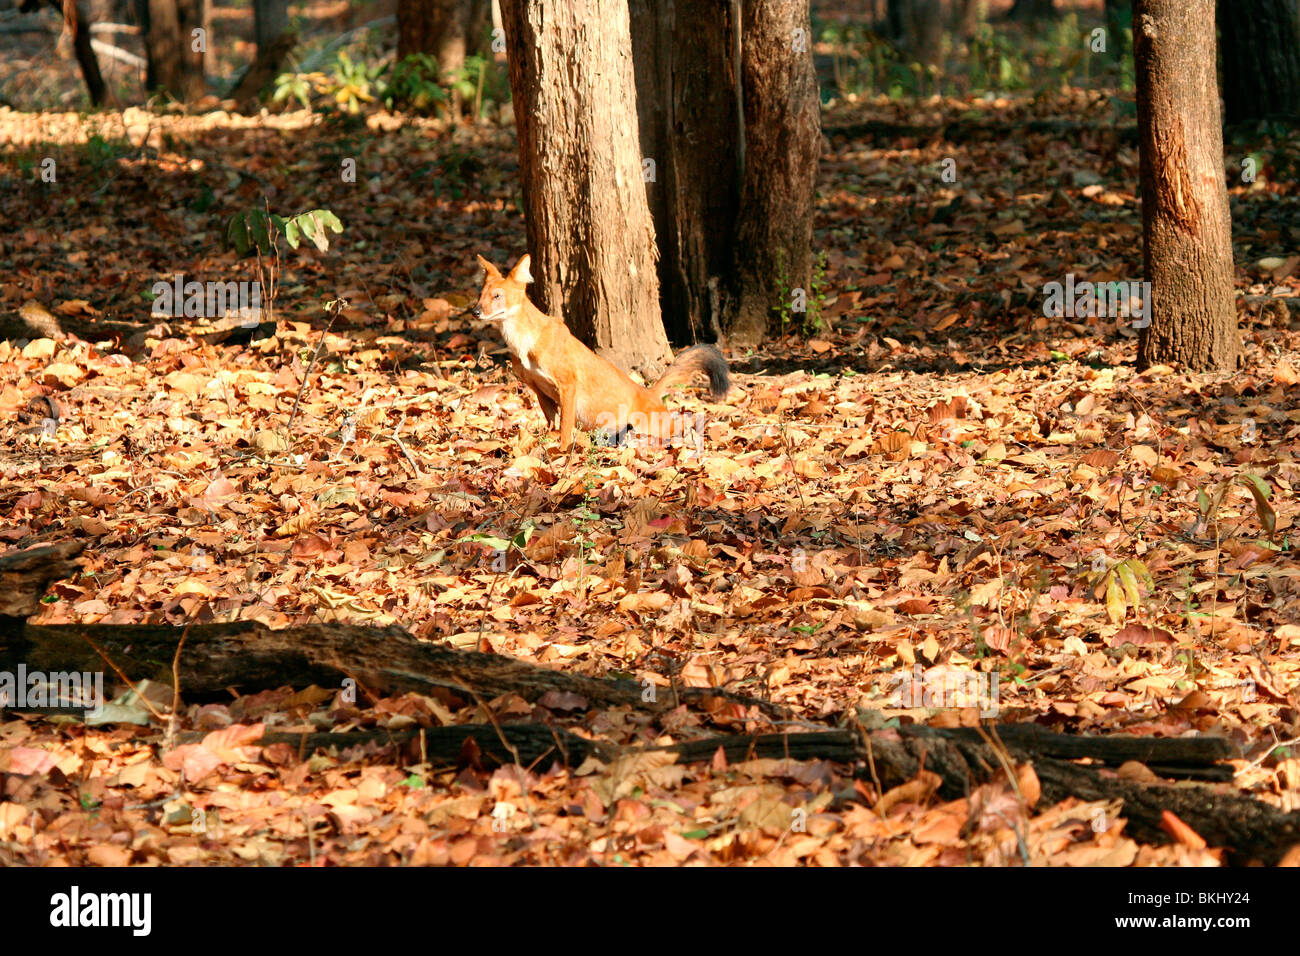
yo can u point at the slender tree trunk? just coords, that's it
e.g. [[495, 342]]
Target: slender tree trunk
[[74, 16], [1261, 59], [782, 143], [589, 226], [690, 126], [175, 66], [1119, 17], [1187, 241]]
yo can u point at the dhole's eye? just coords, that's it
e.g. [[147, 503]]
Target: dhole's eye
[[498, 297]]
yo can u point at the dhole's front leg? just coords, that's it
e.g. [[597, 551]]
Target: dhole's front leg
[[549, 409], [547, 404]]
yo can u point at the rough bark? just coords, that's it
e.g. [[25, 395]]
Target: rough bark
[[175, 67], [962, 759], [781, 147], [1187, 248], [26, 575], [689, 116], [249, 656], [1261, 60], [588, 222]]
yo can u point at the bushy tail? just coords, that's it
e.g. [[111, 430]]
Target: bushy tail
[[697, 359]]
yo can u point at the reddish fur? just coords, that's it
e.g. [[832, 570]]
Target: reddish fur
[[573, 381]]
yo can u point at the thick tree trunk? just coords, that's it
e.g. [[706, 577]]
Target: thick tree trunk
[[589, 226], [1187, 243], [969, 15], [896, 19], [270, 21], [447, 30], [690, 130], [1261, 59], [175, 66], [924, 23], [782, 143]]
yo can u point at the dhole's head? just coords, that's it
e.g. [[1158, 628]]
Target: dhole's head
[[501, 295]]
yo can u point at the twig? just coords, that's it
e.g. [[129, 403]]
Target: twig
[[176, 688], [398, 441], [335, 307]]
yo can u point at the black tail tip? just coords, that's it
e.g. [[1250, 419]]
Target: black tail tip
[[716, 367]]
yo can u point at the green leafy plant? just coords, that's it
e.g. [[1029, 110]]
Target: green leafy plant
[[413, 82], [353, 82], [298, 86], [258, 230]]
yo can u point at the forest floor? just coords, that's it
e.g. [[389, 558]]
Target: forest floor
[[932, 478]]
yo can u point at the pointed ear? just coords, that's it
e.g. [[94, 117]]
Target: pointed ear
[[489, 268], [520, 272]]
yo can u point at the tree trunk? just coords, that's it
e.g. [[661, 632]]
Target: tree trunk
[[896, 19], [589, 226], [782, 142], [1032, 10], [1261, 59], [447, 30], [690, 130], [970, 14], [924, 26], [270, 21], [1187, 242], [1119, 18], [175, 67], [74, 16]]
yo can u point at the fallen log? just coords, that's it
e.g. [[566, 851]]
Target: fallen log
[[249, 656], [26, 575], [1249, 829], [526, 744]]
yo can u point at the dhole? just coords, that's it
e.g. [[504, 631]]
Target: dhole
[[573, 381]]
